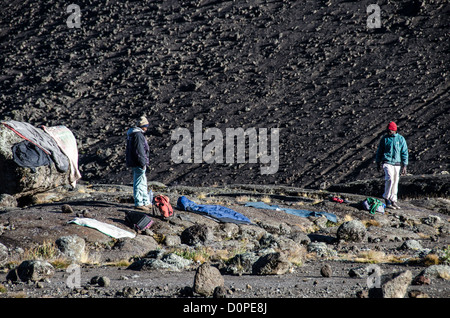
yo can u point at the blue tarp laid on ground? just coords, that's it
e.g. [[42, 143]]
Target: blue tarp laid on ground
[[302, 213], [220, 213]]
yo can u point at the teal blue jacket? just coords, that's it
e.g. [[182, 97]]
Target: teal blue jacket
[[392, 150]]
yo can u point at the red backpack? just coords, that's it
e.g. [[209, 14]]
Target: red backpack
[[161, 202]]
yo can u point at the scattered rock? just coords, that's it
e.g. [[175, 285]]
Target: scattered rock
[[4, 251], [34, 270], [196, 53], [392, 285], [158, 261], [352, 231], [127, 248], [358, 272], [326, 271], [321, 249], [418, 294], [271, 264], [66, 208], [433, 220], [220, 292], [241, 263], [197, 234], [128, 292], [172, 240], [421, 280], [413, 245], [73, 247], [206, 279], [437, 271], [230, 230], [362, 293], [397, 286], [7, 200], [104, 281], [300, 238]]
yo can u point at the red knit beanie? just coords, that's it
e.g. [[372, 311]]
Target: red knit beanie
[[392, 126]]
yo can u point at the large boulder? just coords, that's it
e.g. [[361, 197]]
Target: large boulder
[[72, 246], [206, 279], [197, 234], [392, 285], [31, 270], [22, 181], [352, 231]]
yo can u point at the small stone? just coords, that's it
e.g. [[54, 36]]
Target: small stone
[[421, 280], [411, 245], [65, 208], [220, 292], [87, 214], [104, 281], [417, 294], [326, 271], [362, 294], [7, 200], [129, 291], [94, 280]]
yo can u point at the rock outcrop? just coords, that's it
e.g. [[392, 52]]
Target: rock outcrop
[[22, 181]]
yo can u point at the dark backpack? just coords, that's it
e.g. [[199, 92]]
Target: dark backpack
[[162, 204], [138, 221]]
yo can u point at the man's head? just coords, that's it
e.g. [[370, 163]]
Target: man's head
[[143, 123], [392, 128]]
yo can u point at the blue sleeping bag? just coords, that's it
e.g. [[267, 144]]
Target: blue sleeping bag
[[220, 213]]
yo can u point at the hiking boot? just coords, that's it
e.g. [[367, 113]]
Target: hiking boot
[[142, 208], [396, 206], [388, 204]]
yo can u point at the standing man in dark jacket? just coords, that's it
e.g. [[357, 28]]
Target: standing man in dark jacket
[[137, 157], [392, 153]]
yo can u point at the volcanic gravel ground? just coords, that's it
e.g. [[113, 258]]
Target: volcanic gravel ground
[[313, 69]]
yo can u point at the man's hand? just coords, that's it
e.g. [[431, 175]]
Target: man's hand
[[404, 171]]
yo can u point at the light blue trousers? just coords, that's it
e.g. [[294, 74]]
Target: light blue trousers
[[140, 193]]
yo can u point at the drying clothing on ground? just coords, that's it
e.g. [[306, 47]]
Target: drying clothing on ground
[[68, 145], [26, 154], [105, 228], [217, 212], [301, 213], [42, 140]]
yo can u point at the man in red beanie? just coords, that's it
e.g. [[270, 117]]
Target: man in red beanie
[[392, 154]]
